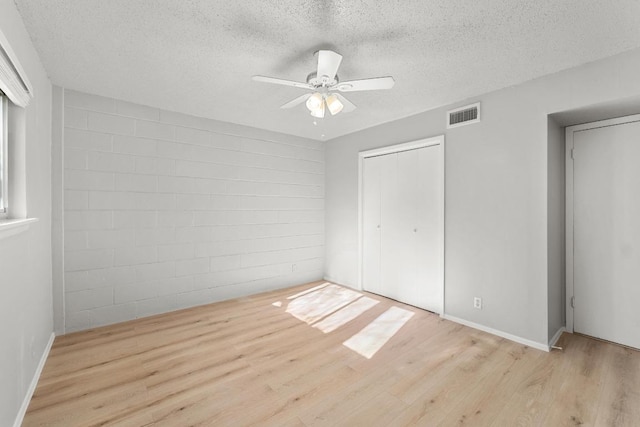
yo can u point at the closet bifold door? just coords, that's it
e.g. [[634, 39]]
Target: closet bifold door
[[401, 226], [371, 225]]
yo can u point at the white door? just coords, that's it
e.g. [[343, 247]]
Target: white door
[[606, 191], [402, 217]]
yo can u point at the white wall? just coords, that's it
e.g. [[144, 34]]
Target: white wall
[[164, 211], [57, 209], [556, 227], [496, 193], [25, 259]]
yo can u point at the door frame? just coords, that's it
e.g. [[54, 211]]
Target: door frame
[[391, 149], [569, 155]]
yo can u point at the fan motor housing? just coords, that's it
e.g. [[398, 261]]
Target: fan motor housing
[[316, 82]]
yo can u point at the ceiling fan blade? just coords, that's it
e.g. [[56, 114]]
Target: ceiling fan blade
[[283, 82], [298, 100], [328, 63], [375, 83], [347, 106]]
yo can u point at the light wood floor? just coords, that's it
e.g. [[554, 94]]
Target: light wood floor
[[248, 362]]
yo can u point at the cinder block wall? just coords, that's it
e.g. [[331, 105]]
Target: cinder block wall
[[164, 211]]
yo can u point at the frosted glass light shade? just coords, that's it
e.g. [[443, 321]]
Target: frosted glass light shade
[[318, 112], [334, 104], [315, 101]]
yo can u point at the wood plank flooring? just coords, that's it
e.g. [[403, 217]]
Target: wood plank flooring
[[253, 361]]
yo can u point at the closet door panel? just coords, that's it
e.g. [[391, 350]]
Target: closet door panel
[[428, 221], [391, 232], [372, 169], [405, 243]]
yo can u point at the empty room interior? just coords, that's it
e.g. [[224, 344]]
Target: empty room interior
[[319, 213]]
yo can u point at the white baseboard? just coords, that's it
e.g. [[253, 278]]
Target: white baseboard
[[329, 279], [502, 334], [556, 337], [34, 383]]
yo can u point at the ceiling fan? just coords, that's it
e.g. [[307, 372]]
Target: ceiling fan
[[323, 85]]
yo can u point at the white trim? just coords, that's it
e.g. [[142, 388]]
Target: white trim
[[34, 383], [569, 227], [413, 145], [4, 157], [606, 123], [11, 227], [335, 282], [569, 155], [514, 338], [468, 122], [18, 95], [557, 336], [360, 231]]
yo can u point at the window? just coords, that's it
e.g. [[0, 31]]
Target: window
[[15, 94], [4, 172]]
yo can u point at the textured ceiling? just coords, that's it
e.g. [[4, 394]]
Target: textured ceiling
[[198, 56]]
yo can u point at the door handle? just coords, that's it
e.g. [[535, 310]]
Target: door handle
[[415, 230]]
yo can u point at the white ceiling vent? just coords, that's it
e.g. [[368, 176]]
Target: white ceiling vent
[[463, 116]]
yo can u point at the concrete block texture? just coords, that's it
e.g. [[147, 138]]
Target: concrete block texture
[[164, 211]]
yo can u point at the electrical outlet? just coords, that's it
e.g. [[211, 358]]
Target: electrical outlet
[[477, 303], [293, 267]]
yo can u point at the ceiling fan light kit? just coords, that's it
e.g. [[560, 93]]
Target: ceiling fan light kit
[[333, 104], [318, 112], [315, 101], [324, 82]]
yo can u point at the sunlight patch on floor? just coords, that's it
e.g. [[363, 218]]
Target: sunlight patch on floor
[[313, 306], [345, 315], [327, 307], [369, 340]]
